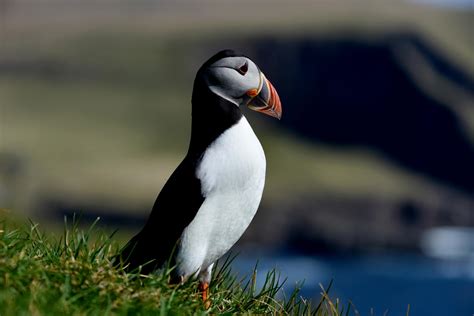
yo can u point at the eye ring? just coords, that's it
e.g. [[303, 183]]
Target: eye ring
[[243, 69]]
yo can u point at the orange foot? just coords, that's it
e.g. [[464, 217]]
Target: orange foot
[[204, 289]]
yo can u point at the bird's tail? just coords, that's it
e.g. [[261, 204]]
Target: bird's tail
[[132, 257], [142, 254]]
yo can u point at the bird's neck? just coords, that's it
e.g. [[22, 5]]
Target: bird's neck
[[211, 116]]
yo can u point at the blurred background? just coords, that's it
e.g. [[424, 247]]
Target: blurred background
[[370, 175]]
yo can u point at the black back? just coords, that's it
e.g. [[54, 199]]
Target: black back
[[181, 197]]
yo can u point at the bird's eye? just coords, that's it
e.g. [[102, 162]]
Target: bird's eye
[[243, 69]]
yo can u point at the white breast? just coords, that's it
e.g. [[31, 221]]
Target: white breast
[[232, 174]]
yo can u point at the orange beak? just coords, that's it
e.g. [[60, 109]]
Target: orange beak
[[265, 99]]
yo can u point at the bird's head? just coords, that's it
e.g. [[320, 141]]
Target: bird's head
[[237, 79]]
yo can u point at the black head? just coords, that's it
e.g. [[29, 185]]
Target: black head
[[224, 83], [235, 78]]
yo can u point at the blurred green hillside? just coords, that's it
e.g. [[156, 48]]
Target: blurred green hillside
[[95, 109]]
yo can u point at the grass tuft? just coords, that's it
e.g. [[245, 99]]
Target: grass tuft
[[73, 274]]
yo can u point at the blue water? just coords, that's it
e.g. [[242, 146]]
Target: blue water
[[376, 284]]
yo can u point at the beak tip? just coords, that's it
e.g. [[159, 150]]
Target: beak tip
[[270, 104], [277, 114]]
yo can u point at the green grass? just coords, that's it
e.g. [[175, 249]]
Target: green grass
[[72, 274]]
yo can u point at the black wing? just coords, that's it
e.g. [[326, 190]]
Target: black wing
[[174, 208]]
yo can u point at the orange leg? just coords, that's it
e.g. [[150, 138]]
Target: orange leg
[[204, 289]]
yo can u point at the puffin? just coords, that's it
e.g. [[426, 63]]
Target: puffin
[[210, 199]]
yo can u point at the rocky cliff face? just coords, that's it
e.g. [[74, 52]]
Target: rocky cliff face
[[396, 95], [372, 93]]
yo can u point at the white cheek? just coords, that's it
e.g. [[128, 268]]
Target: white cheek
[[230, 84], [227, 82], [223, 94], [231, 81]]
